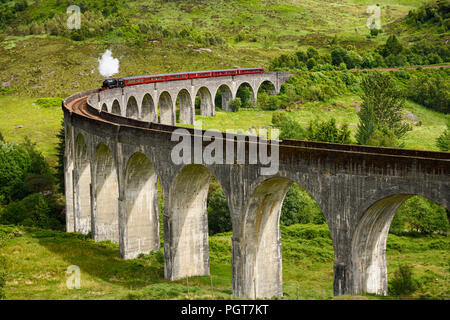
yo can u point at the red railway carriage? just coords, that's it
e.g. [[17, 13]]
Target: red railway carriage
[[132, 81]]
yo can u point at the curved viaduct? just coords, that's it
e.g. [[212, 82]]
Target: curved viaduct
[[158, 102], [113, 163]]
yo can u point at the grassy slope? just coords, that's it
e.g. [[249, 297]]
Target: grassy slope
[[37, 261], [277, 26], [40, 124], [343, 110]]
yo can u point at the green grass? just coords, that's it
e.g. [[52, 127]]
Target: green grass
[[44, 65], [343, 109], [21, 116], [37, 262]]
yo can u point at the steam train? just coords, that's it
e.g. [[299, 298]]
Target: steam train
[[132, 81]]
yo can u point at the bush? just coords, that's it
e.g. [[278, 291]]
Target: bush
[[291, 129], [48, 102], [34, 210], [327, 131], [278, 117], [380, 112], [15, 163], [431, 89], [235, 104], [420, 215], [219, 219], [403, 282], [299, 208], [443, 141]]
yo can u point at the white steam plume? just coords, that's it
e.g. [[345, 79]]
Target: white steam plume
[[107, 65]]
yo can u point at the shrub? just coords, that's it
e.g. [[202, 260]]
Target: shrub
[[235, 104], [327, 131], [299, 208], [311, 63], [431, 89], [420, 215], [291, 129], [219, 219], [2, 266], [34, 210], [48, 102], [443, 141], [15, 162], [278, 117], [269, 102], [381, 109], [403, 282]]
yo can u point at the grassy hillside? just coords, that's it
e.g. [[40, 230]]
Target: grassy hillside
[[36, 262], [168, 36], [21, 116], [344, 110]]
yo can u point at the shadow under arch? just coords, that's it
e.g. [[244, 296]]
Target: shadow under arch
[[116, 108], [267, 86], [165, 108], [140, 221], [106, 191], [246, 93], [104, 108], [82, 190], [186, 248], [206, 102], [368, 246], [265, 89], [186, 112], [132, 108], [148, 112], [223, 97]]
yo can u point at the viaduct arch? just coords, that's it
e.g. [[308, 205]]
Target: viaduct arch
[[358, 188]]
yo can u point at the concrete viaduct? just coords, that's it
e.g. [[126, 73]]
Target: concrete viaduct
[[158, 102], [115, 156]]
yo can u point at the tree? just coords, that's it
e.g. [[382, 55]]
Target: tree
[[14, 165], [291, 129], [311, 63], [403, 282], [60, 149], [299, 207], [443, 141], [33, 210], [219, 219], [338, 56], [420, 215], [245, 94], [381, 108], [327, 131], [393, 46], [235, 104]]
